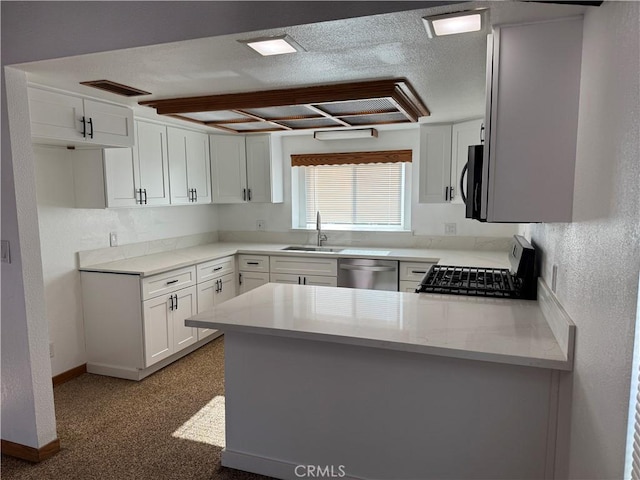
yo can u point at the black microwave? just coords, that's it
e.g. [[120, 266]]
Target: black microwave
[[472, 189]]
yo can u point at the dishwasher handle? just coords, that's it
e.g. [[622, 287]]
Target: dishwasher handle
[[368, 268]]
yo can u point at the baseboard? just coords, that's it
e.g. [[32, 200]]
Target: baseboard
[[30, 454], [69, 374], [273, 468]]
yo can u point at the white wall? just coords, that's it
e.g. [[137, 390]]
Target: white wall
[[598, 255], [65, 230], [426, 219]]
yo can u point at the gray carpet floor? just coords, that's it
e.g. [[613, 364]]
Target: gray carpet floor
[[159, 428]]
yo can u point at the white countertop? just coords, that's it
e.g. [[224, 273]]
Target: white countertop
[[162, 262], [496, 330]]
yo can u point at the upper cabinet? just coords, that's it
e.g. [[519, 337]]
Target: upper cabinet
[[189, 166], [533, 87], [139, 175], [60, 119], [443, 154], [243, 170]]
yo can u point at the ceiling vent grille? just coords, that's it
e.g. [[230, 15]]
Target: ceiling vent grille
[[117, 88]]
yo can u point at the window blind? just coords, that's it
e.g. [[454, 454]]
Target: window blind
[[360, 194]]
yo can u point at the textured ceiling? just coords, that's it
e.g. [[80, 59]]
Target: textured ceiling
[[448, 73]]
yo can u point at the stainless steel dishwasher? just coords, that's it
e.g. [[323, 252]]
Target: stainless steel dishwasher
[[368, 273]]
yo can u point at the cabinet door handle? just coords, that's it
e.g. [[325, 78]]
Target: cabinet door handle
[[144, 190], [171, 282], [249, 194], [244, 194], [446, 193], [171, 302], [221, 285], [138, 194], [299, 281], [482, 131], [84, 127], [195, 194], [176, 306], [240, 278], [90, 122], [304, 280]]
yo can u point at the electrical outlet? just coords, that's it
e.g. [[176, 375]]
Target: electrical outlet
[[51, 352], [113, 239], [261, 224], [450, 228], [554, 278]]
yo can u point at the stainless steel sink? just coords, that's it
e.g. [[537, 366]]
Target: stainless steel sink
[[297, 248]]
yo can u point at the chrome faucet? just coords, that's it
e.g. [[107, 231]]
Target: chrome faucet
[[321, 236]]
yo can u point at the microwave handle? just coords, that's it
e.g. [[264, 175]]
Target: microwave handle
[[462, 192]]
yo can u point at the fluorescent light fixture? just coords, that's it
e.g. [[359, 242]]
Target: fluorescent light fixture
[[452, 23], [273, 45], [345, 134]]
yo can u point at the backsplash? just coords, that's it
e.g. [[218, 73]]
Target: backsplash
[[110, 254]]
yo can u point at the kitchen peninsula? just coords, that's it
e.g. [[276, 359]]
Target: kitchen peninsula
[[391, 384]]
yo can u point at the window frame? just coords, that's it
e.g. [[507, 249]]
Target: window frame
[[298, 205]]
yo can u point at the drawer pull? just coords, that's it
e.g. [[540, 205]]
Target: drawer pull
[[217, 268], [253, 263], [418, 271], [173, 281]]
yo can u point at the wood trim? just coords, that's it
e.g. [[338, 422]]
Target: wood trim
[[30, 454], [398, 89], [69, 375], [350, 158]]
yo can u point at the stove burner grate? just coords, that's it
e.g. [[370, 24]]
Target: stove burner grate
[[488, 282]]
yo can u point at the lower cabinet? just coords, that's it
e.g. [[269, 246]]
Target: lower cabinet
[[253, 272], [304, 271], [212, 293], [411, 273], [164, 329]]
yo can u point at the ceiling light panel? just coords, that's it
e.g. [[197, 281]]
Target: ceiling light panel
[[273, 45], [453, 23]]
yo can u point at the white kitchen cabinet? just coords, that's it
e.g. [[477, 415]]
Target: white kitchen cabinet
[[318, 280], [61, 119], [189, 166], [411, 273], [304, 271], [244, 170], [533, 88], [164, 329], [435, 163], [216, 284], [139, 175], [463, 135], [134, 326], [253, 272]]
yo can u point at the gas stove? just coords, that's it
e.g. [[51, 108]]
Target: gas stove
[[517, 282]]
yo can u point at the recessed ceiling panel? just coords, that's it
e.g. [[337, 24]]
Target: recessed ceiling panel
[[373, 105], [249, 127], [219, 116], [379, 119], [288, 111], [321, 122]]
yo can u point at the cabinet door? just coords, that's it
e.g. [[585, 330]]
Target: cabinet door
[[435, 163], [250, 280], [206, 301], [228, 168], [320, 280], [177, 149], [289, 278], [152, 159], [158, 330], [109, 124], [463, 135], [408, 287], [258, 168], [56, 116], [121, 177], [199, 166], [184, 306], [227, 288]]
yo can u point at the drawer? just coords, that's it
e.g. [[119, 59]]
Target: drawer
[[406, 286], [215, 268], [304, 265], [318, 280], [414, 270], [168, 282], [253, 263]]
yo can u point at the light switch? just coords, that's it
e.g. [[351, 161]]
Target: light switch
[[5, 256]]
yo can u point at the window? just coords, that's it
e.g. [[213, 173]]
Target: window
[[352, 196]]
